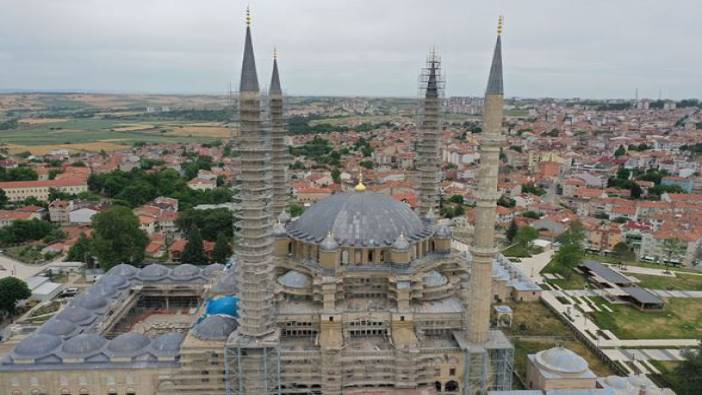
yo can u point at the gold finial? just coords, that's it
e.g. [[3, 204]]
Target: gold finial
[[360, 187], [248, 16], [275, 53], [499, 25]]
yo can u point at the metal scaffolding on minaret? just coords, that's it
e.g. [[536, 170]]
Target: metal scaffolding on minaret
[[428, 156], [491, 139], [279, 150], [254, 266]]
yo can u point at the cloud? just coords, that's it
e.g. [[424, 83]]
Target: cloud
[[565, 48]]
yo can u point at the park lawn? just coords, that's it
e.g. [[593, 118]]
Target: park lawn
[[681, 318], [680, 282], [617, 261], [571, 278], [547, 324]]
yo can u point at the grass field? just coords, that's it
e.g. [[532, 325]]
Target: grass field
[[680, 282], [76, 133], [679, 319], [572, 279]]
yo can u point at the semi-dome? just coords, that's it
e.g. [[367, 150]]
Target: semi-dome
[[294, 279], [37, 345], [167, 343], [215, 327], [58, 327], [83, 344], [358, 219], [76, 315], [434, 279], [185, 272], [128, 343], [125, 270], [561, 360], [153, 272]]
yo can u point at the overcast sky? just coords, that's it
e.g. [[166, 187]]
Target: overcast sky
[[558, 48]]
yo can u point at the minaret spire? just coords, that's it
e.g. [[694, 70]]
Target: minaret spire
[[478, 316], [428, 169], [279, 149], [249, 77]]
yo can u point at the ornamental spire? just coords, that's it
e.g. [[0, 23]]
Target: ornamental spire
[[275, 79], [494, 86], [360, 187], [249, 77]]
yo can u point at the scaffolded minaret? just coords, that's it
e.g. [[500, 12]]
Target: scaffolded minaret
[[484, 238], [279, 150], [428, 145], [254, 249]]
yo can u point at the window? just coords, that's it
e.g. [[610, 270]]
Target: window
[[331, 319], [452, 372]]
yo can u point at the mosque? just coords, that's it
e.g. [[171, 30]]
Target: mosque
[[358, 293]]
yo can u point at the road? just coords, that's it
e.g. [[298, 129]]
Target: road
[[11, 267]]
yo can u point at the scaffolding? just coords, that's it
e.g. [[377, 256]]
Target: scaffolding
[[252, 369]]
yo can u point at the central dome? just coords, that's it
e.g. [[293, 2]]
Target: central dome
[[358, 219]]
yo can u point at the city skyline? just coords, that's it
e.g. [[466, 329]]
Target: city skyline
[[598, 50]]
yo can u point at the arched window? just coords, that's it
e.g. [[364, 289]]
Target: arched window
[[370, 256], [437, 385], [451, 386], [344, 257]]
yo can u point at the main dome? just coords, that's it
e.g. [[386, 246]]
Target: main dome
[[358, 219]]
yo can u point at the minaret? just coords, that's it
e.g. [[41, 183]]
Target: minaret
[[484, 238], [254, 268], [279, 150], [428, 163]]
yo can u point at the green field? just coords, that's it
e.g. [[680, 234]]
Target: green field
[[679, 319], [78, 131], [680, 282]]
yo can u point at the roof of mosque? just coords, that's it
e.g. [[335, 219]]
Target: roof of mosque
[[295, 279], [365, 219], [215, 327], [561, 360]]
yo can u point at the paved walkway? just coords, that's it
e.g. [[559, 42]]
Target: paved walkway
[[10, 267], [533, 265]]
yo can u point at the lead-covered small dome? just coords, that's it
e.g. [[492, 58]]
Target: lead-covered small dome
[[444, 232], [294, 279], [83, 344], [329, 244], [215, 327], [153, 272], [58, 327], [401, 243], [185, 272], [358, 219], [92, 301], [116, 281], [209, 270], [561, 360], [125, 270], [168, 343], [37, 345], [434, 279], [76, 315], [128, 343]]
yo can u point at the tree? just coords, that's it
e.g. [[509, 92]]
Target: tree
[[117, 238], [506, 201], [82, 251], [457, 199], [673, 249], [525, 236], [222, 249], [3, 199], [209, 222], [194, 252], [570, 254], [21, 231], [367, 164], [296, 209], [12, 290], [623, 252], [620, 151], [687, 376], [511, 231], [336, 175]]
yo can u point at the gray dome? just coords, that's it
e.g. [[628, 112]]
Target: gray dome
[[444, 232], [358, 219], [617, 382], [58, 327], [101, 290], [83, 344], [125, 270], [185, 272], [90, 302], [116, 281], [209, 270], [562, 360], [215, 327], [226, 284], [435, 279], [284, 217], [76, 315], [128, 343], [329, 244], [153, 272], [168, 343], [401, 243], [37, 345], [295, 279]]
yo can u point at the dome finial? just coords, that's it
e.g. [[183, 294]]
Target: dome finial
[[275, 53], [360, 187], [248, 16], [500, 22]]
